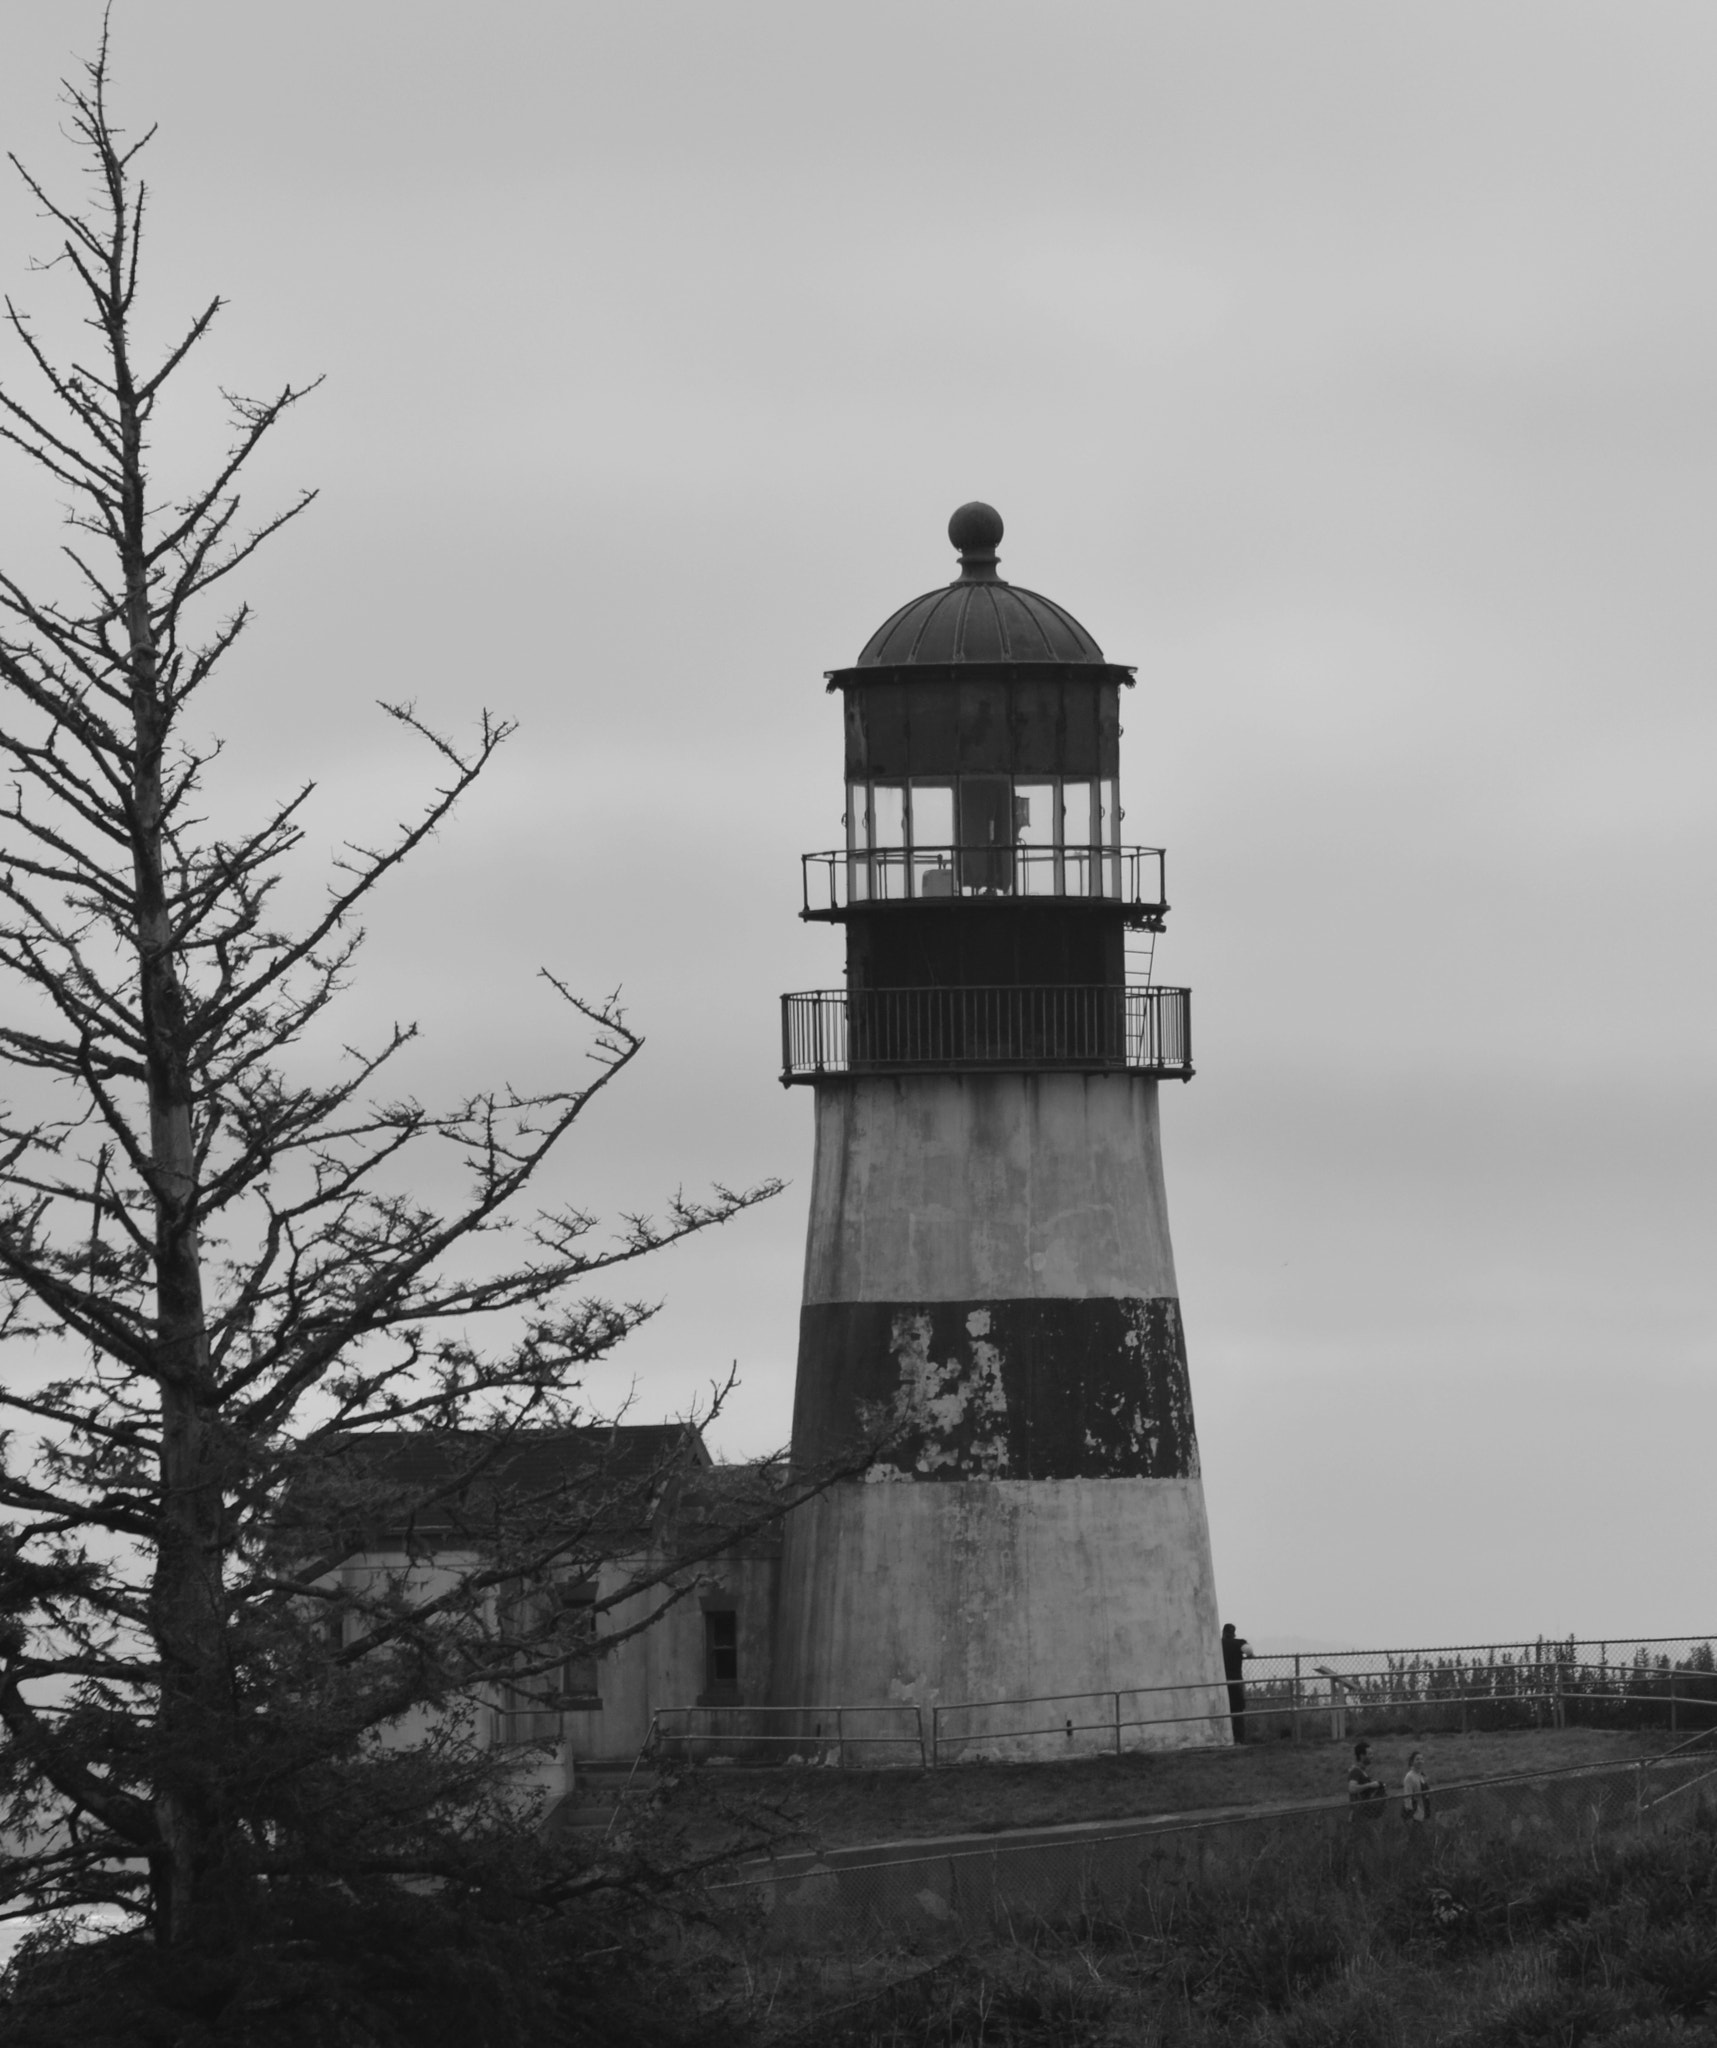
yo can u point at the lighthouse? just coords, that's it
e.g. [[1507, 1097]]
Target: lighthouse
[[989, 1288]]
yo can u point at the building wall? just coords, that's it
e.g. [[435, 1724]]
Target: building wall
[[661, 1666]]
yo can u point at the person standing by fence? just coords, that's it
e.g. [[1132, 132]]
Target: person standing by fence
[[1235, 1651], [1415, 1792]]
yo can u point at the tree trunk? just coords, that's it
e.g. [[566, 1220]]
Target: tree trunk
[[194, 1893]]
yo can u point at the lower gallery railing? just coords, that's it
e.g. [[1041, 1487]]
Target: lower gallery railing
[[869, 1031]]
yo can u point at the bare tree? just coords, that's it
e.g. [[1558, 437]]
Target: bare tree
[[219, 1281]]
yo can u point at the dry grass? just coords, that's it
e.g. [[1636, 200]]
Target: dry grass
[[1483, 1942]]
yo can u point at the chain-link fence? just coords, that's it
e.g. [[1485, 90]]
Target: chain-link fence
[[1669, 1683], [954, 1893]]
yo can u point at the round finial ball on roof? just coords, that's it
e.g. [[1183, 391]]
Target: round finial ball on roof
[[975, 528]]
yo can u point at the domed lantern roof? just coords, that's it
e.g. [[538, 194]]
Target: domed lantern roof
[[978, 617]]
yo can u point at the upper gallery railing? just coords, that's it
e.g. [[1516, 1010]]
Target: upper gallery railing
[[841, 880], [895, 1030]]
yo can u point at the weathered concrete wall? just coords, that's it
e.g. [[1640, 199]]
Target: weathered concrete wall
[[974, 1187], [1003, 1589], [989, 1273]]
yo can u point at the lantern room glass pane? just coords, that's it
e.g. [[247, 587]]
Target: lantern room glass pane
[[1035, 806], [888, 814], [1108, 835], [888, 841], [986, 833], [1076, 824], [933, 814], [932, 839], [858, 839]]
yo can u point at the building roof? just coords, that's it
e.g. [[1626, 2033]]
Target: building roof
[[530, 1458], [471, 1483], [739, 1506], [978, 617]]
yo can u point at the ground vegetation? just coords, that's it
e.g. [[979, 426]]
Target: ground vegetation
[[1476, 1939]]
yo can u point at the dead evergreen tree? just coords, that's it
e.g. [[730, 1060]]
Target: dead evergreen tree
[[226, 1310]]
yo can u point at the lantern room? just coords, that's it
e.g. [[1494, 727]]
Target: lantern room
[[983, 847]]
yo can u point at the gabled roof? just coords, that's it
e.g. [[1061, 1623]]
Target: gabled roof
[[467, 1486], [531, 1457]]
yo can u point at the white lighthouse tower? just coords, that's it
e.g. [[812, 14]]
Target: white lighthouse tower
[[988, 1269]]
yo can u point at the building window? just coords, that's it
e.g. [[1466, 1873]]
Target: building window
[[579, 1670], [542, 1621], [721, 1650]]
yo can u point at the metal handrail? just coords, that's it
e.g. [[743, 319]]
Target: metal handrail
[[842, 879], [896, 1030], [943, 1741]]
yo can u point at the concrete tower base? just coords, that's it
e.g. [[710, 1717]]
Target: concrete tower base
[[989, 1276], [1001, 1589]]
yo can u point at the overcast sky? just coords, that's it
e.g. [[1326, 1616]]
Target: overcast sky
[[1350, 369]]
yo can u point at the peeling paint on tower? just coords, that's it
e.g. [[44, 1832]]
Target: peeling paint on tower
[[1003, 1389]]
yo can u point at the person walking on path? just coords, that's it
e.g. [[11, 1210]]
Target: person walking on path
[[1364, 1792], [1235, 1651], [1415, 1792]]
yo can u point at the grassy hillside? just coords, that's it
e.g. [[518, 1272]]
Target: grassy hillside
[[1469, 1940]]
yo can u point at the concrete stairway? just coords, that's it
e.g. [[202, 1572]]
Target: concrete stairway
[[598, 1792]]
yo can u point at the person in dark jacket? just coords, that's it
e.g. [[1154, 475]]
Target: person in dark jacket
[[1235, 1651], [1364, 1792]]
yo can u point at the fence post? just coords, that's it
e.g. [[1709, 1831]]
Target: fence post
[[1296, 1696], [923, 1759], [1674, 1715], [935, 1735], [1117, 1724], [840, 1743]]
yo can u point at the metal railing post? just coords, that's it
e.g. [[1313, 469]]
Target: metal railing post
[[935, 1736], [840, 1741], [923, 1758], [1674, 1715], [1117, 1724], [1297, 1696]]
